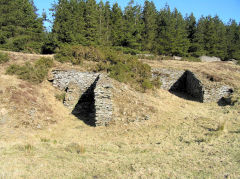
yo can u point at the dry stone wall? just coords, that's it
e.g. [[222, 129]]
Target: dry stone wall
[[88, 95], [203, 90]]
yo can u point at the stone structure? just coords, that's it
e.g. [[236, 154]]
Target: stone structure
[[189, 84], [88, 95], [192, 86], [209, 59], [177, 58]]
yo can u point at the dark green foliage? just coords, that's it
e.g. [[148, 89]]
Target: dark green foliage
[[139, 28], [77, 53], [33, 73], [3, 58], [172, 35], [233, 40], [191, 26], [130, 31], [210, 38], [150, 26], [20, 28], [116, 25], [132, 26]]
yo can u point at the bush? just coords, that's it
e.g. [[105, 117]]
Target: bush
[[156, 82], [77, 53], [33, 73], [127, 50], [122, 67], [3, 58], [146, 84]]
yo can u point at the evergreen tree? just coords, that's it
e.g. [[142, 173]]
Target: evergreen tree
[[104, 30], [211, 37], [132, 26], [191, 26], [198, 42], [221, 41], [150, 26], [69, 24], [107, 15], [181, 42], [116, 25], [20, 28], [165, 31], [233, 40], [91, 22]]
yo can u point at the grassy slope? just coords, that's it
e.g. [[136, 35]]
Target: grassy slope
[[183, 139]]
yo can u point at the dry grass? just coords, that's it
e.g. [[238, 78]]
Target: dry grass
[[182, 139]]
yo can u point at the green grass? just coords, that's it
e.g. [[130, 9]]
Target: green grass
[[3, 58]]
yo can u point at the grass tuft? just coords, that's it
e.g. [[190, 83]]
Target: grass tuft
[[75, 148], [60, 97], [3, 58]]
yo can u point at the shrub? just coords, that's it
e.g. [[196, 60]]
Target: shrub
[[156, 82], [77, 53], [3, 58], [122, 67], [127, 50], [146, 84], [32, 73]]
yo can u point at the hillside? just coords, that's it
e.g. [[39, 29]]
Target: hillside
[[153, 135]]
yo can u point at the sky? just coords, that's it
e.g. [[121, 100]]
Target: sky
[[225, 9]]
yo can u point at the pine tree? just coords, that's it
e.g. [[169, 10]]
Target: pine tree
[[20, 28], [181, 42], [62, 22], [165, 31], [116, 25], [233, 40], [132, 26], [150, 26], [198, 45], [107, 15], [191, 26], [91, 22], [104, 30], [221, 41]]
